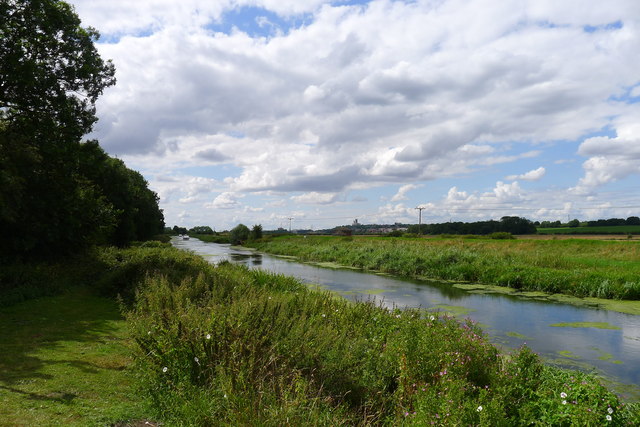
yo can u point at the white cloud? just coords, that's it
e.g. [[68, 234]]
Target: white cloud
[[448, 89], [315, 198], [532, 175], [611, 158], [225, 201], [402, 192]]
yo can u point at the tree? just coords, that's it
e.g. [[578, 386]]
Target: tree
[[50, 78], [256, 232], [239, 234], [574, 223]]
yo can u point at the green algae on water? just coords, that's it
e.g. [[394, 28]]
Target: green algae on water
[[518, 335], [597, 325]]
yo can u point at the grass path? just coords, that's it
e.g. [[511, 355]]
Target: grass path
[[64, 361]]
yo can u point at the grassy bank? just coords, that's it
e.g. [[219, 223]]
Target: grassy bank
[[583, 268], [65, 361], [232, 346], [224, 345]]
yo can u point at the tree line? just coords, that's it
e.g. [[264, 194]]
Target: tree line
[[508, 224], [58, 193]]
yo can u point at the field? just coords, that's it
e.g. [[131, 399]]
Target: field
[[612, 230], [578, 267]]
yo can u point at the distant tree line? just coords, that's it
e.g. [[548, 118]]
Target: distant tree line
[[507, 224], [57, 193], [632, 220]]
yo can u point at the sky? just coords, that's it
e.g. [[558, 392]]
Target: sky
[[258, 111]]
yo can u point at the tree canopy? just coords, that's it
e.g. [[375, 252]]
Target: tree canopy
[[57, 194]]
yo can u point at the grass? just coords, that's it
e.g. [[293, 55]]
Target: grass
[[614, 229], [209, 345], [583, 268], [65, 361], [232, 346]]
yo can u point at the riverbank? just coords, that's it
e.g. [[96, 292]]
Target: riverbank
[[224, 345], [66, 360], [582, 268]]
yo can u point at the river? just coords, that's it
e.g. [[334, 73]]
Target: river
[[611, 350]]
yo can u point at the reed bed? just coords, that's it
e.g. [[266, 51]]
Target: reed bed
[[583, 268]]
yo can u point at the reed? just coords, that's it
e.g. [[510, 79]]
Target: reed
[[583, 268]]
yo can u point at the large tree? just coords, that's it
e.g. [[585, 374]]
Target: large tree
[[50, 78]]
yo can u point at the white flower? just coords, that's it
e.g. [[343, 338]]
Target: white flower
[[148, 332], [610, 410], [564, 402], [196, 359], [432, 318], [208, 336], [324, 315], [225, 395], [479, 409], [608, 417], [563, 395], [165, 369], [397, 316]]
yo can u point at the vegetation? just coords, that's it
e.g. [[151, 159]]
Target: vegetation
[[224, 345], [573, 267], [58, 195], [232, 346], [66, 360], [605, 229], [507, 224], [239, 234]]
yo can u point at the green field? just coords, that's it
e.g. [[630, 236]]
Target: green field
[[578, 267], [618, 229], [66, 360]]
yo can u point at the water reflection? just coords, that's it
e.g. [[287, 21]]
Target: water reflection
[[509, 321]]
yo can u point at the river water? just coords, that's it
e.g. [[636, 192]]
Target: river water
[[613, 353]]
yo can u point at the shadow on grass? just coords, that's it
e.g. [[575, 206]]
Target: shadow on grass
[[44, 332]]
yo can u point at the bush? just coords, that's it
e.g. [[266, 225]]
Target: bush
[[239, 234]]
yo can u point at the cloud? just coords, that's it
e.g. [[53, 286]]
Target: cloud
[[315, 198], [402, 192], [611, 158], [532, 175], [225, 201], [329, 103]]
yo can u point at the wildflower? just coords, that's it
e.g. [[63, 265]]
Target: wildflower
[[148, 332], [208, 336], [564, 402], [196, 359], [610, 410], [165, 369], [225, 395], [479, 409], [608, 417], [406, 414], [324, 315], [432, 318], [397, 316], [563, 395]]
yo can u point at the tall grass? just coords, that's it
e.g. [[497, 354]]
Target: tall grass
[[230, 346], [574, 267]]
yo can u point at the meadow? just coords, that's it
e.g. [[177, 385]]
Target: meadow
[[614, 229], [206, 345], [578, 267]]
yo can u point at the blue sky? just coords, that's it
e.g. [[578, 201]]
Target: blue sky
[[255, 111]]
